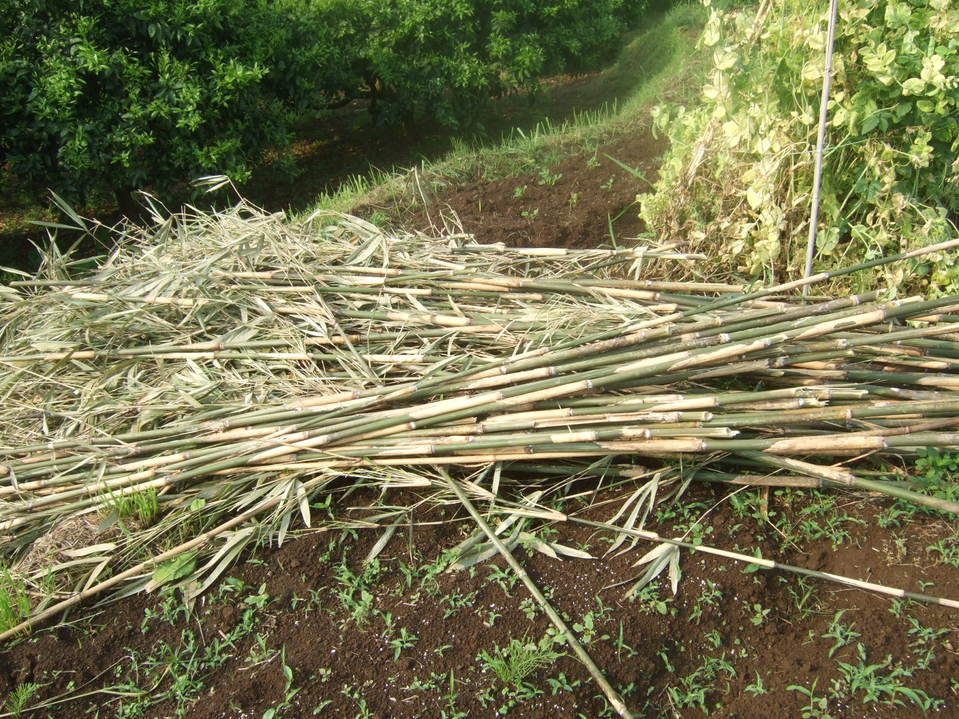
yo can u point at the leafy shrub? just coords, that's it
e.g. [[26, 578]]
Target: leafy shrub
[[741, 163], [125, 93]]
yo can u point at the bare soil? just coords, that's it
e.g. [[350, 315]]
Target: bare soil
[[585, 200], [726, 626]]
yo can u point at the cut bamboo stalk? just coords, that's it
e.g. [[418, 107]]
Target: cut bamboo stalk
[[770, 564], [611, 694]]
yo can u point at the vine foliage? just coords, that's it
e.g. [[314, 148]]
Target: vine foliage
[[741, 163]]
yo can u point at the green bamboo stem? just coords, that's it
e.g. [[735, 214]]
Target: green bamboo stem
[[699, 475], [611, 341], [611, 694], [841, 477]]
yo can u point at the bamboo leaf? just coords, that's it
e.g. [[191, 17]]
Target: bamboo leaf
[[304, 501], [570, 551], [485, 551], [95, 574], [92, 549], [235, 542], [675, 573], [172, 571], [534, 542], [285, 520], [658, 559], [380, 544], [642, 500]]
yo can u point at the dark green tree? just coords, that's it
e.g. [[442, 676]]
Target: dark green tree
[[121, 94]]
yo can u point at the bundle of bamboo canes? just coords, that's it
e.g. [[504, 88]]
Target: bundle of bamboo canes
[[238, 366]]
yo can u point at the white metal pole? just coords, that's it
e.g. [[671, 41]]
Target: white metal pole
[[821, 141]]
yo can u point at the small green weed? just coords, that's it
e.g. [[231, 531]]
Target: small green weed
[[710, 596], [546, 177], [355, 589], [694, 688], [140, 508], [19, 699], [948, 550], [757, 687], [935, 476], [649, 600], [289, 691], [621, 645], [879, 683], [818, 707], [760, 614], [517, 660], [14, 602], [456, 601], [177, 671], [504, 577], [840, 632], [803, 594], [405, 640], [362, 706], [878, 686]]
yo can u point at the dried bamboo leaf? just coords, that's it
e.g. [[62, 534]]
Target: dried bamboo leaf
[[661, 557], [380, 544]]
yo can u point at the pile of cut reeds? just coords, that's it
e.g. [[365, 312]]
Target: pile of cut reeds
[[240, 367]]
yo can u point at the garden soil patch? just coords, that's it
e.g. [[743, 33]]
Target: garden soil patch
[[399, 638], [587, 200]]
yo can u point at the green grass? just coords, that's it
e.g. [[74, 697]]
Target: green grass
[[14, 602], [20, 698], [140, 507], [178, 670]]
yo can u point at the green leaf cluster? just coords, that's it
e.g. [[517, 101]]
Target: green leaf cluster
[[125, 93], [741, 163]]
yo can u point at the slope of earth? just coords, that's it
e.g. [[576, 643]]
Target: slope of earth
[[310, 629], [583, 200]]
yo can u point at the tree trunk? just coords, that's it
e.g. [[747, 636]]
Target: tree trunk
[[128, 206]]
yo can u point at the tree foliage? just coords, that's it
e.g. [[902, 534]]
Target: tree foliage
[[123, 93], [106, 94], [440, 58]]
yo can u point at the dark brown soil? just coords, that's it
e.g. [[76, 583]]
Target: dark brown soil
[[586, 200], [725, 627]]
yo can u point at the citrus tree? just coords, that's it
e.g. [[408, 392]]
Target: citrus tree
[[126, 93], [439, 59]]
